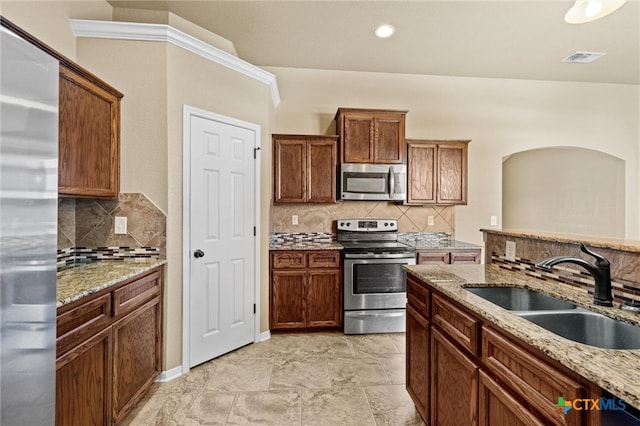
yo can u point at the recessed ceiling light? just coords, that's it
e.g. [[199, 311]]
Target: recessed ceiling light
[[385, 31]]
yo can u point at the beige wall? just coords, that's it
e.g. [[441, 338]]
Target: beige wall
[[500, 117], [157, 81], [48, 20], [570, 190]]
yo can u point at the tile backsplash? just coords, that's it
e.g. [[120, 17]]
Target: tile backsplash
[[322, 217], [89, 223]]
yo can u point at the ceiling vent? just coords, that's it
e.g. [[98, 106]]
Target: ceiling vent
[[583, 57]]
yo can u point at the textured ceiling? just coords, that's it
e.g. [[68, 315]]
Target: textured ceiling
[[496, 39]]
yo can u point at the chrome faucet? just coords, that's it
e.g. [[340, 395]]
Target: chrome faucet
[[600, 271]]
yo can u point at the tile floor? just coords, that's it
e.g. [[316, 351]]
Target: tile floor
[[290, 379]]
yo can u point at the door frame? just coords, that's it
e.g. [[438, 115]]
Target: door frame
[[187, 113]]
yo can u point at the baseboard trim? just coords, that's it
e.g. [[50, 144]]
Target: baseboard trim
[[169, 375]]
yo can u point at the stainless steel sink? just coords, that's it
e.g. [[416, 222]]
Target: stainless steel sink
[[587, 327], [520, 299]]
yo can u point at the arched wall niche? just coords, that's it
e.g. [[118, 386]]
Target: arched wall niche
[[566, 190]]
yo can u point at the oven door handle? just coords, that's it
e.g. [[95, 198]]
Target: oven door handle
[[379, 256]]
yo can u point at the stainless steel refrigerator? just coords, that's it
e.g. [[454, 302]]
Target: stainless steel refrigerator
[[28, 231]]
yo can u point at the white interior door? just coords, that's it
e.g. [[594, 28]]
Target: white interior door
[[222, 241]]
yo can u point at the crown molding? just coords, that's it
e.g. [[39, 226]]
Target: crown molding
[[168, 34]]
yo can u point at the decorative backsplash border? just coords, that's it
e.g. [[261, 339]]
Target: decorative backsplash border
[[425, 239], [623, 291], [289, 237], [71, 256]]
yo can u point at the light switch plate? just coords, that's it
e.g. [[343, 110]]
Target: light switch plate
[[120, 225], [510, 251]]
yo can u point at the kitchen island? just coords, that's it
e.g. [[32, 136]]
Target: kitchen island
[[615, 371]]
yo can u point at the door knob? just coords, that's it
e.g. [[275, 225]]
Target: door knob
[[198, 253]]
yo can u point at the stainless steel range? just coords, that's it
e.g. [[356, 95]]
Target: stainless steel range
[[374, 281]]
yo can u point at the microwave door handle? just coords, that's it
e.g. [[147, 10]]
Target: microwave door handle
[[392, 181]]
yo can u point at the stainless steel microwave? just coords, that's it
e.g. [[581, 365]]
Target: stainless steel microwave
[[384, 182]]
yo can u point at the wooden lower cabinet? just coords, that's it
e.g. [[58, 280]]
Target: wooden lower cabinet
[[137, 356], [418, 341], [454, 384], [305, 289], [109, 351], [479, 375], [498, 407], [83, 383]]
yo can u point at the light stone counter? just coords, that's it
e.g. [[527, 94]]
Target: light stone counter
[[617, 371], [602, 242], [80, 281]]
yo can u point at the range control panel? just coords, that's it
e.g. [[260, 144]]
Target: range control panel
[[367, 225]]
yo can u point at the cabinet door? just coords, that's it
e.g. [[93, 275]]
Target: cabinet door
[[418, 361], [324, 298], [357, 139], [89, 138], [421, 173], [497, 407], [321, 171], [454, 384], [137, 355], [452, 173], [389, 143], [290, 170], [83, 383], [288, 299]]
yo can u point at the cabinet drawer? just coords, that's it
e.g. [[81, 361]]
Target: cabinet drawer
[[82, 322], [292, 260], [418, 297], [130, 296], [460, 326], [324, 259], [433, 256], [465, 256], [535, 380]]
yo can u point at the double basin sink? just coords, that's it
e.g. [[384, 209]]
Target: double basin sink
[[563, 318]]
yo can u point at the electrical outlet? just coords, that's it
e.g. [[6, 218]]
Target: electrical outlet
[[294, 219], [120, 225], [430, 220], [494, 220], [510, 251]]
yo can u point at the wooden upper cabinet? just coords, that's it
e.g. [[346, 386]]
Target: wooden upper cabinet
[[437, 172], [371, 136], [305, 168], [89, 137]]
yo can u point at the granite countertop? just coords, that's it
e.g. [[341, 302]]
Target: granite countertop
[[602, 242], [80, 281], [614, 370]]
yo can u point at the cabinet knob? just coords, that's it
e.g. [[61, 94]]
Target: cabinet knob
[[198, 253]]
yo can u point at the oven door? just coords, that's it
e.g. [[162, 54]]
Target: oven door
[[375, 283]]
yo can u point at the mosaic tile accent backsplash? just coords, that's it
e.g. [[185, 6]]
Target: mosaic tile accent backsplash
[[625, 280], [622, 291], [88, 224], [322, 217], [75, 255]]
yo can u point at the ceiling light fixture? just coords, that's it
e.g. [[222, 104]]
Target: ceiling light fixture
[[590, 10], [385, 31]]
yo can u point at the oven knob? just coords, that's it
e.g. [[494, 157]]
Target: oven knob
[[386, 224]]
